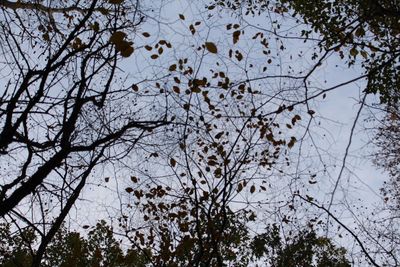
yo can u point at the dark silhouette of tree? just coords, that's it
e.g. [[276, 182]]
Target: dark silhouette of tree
[[61, 105], [220, 124], [68, 248], [358, 30]]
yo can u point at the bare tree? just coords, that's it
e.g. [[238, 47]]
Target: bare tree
[[64, 108]]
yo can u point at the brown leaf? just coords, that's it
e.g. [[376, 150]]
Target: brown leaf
[[235, 36], [172, 67], [135, 87], [292, 142], [129, 189], [172, 161], [192, 29], [240, 188], [117, 37], [218, 135], [252, 189], [127, 51], [211, 47], [176, 89], [115, 2], [311, 112]]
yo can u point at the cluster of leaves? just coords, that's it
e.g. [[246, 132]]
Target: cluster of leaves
[[68, 248], [236, 246], [387, 140], [66, 111], [303, 248], [369, 29], [357, 30]]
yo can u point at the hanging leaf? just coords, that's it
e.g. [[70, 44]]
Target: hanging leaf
[[129, 189], [353, 52], [117, 37], [176, 89], [116, 2], [127, 51], [252, 189], [292, 142], [172, 67], [192, 29], [311, 112], [182, 17], [235, 36], [240, 188], [135, 87], [219, 135], [172, 161], [211, 47]]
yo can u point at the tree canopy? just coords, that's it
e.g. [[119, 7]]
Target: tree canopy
[[207, 133]]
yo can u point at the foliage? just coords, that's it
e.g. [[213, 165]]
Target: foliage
[[211, 117], [359, 30], [60, 107], [69, 248], [303, 249], [237, 247], [387, 140]]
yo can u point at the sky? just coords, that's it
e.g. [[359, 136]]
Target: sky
[[321, 149], [357, 194]]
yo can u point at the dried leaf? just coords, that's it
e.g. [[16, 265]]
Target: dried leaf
[[172, 67], [211, 47], [129, 189], [172, 161], [252, 189], [115, 2]]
